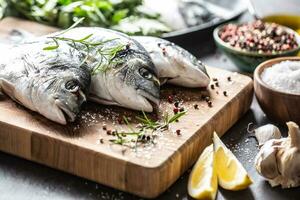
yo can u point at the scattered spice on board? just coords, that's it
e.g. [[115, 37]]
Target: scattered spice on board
[[259, 37], [196, 106], [175, 110], [209, 104], [145, 132], [108, 132], [176, 104]]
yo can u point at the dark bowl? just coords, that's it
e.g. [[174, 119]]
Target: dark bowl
[[187, 37], [247, 60]]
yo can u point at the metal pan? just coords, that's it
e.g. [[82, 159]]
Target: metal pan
[[226, 10]]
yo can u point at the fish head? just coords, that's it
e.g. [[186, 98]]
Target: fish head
[[70, 95], [65, 88], [185, 69], [134, 82]]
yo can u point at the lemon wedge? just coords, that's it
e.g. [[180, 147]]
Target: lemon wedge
[[231, 174], [203, 183]]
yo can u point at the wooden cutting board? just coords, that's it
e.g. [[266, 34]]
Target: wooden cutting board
[[146, 171]]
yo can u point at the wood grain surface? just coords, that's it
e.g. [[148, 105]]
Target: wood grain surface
[[147, 171]]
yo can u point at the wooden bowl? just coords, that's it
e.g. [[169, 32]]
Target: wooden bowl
[[278, 106]]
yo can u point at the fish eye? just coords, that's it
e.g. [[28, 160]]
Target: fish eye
[[145, 73], [72, 85]]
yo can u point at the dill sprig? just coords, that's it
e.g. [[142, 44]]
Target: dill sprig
[[106, 54], [146, 129]]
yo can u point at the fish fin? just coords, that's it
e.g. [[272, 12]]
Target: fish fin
[[7, 87]]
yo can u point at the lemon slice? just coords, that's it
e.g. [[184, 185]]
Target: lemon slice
[[231, 174], [203, 183]]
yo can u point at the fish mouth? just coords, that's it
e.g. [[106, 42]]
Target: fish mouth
[[148, 96], [65, 111]]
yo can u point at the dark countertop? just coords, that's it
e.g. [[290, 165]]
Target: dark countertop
[[22, 179]]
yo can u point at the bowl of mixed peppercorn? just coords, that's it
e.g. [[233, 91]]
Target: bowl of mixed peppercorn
[[250, 44]]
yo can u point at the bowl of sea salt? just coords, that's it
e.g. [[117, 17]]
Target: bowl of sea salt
[[277, 88]]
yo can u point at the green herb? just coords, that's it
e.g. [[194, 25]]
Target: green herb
[[146, 129], [63, 13], [3, 7], [106, 55]]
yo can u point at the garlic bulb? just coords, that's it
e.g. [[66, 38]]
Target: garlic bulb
[[279, 159], [267, 132]]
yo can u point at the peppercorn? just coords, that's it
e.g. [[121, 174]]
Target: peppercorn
[[217, 84], [181, 109], [170, 99], [259, 37], [148, 138], [104, 127], [176, 104], [120, 120], [108, 132], [178, 132], [225, 93], [209, 104], [196, 106], [101, 141], [175, 110], [113, 133], [229, 78], [212, 87]]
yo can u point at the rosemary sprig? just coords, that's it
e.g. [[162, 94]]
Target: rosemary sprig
[[52, 47], [106, 55], [147, 126]]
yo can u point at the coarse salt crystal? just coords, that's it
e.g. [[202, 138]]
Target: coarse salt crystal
[[283, 76]]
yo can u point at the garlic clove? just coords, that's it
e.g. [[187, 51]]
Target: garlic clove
[[279, 159], [288, 158], [294, 134], [267, 132], [265, 161]]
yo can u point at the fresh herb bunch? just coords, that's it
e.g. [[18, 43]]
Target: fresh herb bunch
[[145, 130], [103, 13], [65, 12]]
